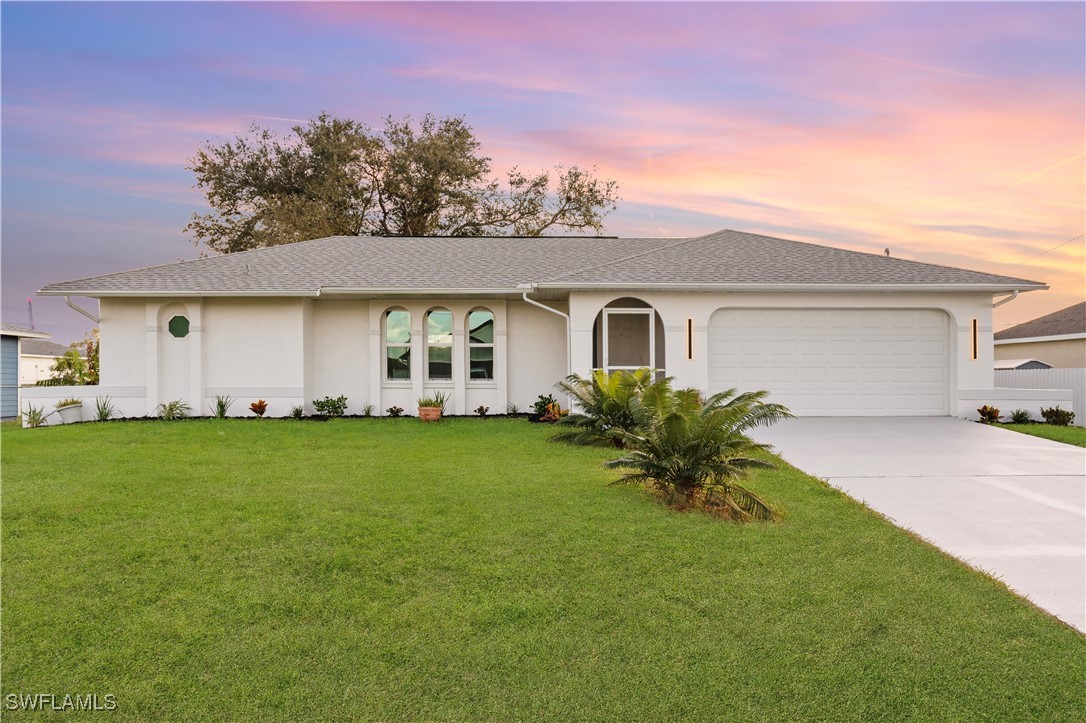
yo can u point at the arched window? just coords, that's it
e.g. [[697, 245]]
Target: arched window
[[397, 344], [480, 344], [439, 339]]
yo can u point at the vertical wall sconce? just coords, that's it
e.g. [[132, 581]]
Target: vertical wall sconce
[[974, 344], [689, 338]]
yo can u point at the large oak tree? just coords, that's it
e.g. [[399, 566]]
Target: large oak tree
[[336, 176]]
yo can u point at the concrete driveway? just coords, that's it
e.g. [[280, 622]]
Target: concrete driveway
[[1006, 503]]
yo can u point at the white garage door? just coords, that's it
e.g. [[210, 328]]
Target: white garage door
[[835, 362]]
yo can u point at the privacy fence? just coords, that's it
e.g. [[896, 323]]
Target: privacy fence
[[1073, 379]]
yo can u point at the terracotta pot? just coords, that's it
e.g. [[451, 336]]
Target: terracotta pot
[[429, 414]]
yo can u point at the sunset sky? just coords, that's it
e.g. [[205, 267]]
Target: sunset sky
[[952, 133]]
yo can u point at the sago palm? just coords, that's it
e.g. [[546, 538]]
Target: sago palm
[[695, 452], [607, 405]]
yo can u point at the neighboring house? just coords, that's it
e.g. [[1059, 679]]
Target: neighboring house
[[1058, 339], [36, 360], [497, 321], [11, 340], [1005, 364]]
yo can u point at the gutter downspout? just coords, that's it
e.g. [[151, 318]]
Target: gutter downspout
[[569, 341], [84, 312], [1001, 302]]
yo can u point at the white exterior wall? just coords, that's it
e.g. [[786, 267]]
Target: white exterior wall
[[292, 351], [676, 307]]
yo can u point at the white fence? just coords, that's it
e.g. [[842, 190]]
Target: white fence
[[1073, 379]]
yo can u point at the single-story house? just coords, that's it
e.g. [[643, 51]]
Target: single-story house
[[497, 321], [11, 341], [36, 360], [1058, 339], [1014, 364]]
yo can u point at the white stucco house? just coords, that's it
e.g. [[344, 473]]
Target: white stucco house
[[497, 321]]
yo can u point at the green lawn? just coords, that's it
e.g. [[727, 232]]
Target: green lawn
[[1067, 435], [390, 570]]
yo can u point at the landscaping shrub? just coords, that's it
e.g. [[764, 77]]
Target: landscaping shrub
[[176, 409], [988, 415], [297, 411], [259, 407], [35, 416], [608, 405], [394, 411], [330, 407], [693, 453], [481, 410], [104, 409], [367, 411], [1020, 416], [1058, 417], [221, 406], [541, 404]]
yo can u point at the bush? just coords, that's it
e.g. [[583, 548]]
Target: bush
[[1020, 416], [692, 452], [70, 402], [330, 407], [104, 409], [394, 411], [511, 408], [437, 399], [258, 407], [541, 404], [176, 409], [221, 406], [988, 415], [608, 404], [35, 416], [1058, 417], [367, 411], [481, 410], [297, 411]]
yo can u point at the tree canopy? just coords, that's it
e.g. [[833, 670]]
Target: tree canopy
[[336, 176]]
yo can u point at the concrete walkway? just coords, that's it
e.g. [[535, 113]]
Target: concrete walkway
[[1007, 503]]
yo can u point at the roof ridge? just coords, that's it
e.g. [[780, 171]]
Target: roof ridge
[[882, 256], [611, 262]]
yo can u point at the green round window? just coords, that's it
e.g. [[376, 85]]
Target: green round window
[[179, 326]]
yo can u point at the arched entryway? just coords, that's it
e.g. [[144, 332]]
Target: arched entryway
[[628, 334]]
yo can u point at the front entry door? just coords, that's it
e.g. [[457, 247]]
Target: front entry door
[[628, 339]]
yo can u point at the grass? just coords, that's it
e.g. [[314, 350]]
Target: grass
[[390, 570], [1067, 435]]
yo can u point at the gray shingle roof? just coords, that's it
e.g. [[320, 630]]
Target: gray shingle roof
[[12, 330], [372, 263], [41, 347], [1071, 320]]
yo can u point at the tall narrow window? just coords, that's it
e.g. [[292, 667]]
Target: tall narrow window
[[481, 344], [397, 344], [439, 345]]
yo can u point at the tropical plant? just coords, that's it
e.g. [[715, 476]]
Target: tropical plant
[[436, 399], [693, 453], [367, 410], [331, 407], [259, 407], [541, 404], [511, 408], [554, 413], [988, 415], [394, 411], [608, 404], [1020, 416], [104, 409], [69, 402], [177, 409], [481, 410], [1057, 416], [34, 416], [297, 411], [221, 406]]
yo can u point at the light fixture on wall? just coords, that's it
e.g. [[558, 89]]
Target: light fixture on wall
[[974, 340], [689, 338]]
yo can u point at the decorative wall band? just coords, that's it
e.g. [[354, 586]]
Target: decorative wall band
[[262, 392]]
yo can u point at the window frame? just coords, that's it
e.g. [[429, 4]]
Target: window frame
[[385, 345], [488, 381], [438, 345]]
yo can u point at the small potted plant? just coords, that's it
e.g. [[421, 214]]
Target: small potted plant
[[431, 407], [70, 410]]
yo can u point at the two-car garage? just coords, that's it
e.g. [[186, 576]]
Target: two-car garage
[[835, 362]]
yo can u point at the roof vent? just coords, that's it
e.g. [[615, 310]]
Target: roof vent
[[885, 251]]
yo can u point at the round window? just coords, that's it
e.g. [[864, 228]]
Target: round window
[[179, 326]]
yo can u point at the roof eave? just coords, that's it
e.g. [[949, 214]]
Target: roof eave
[[1040, 339], [957, 288], [150, 293]]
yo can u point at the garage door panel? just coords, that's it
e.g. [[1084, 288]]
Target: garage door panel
[[835, 361]]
